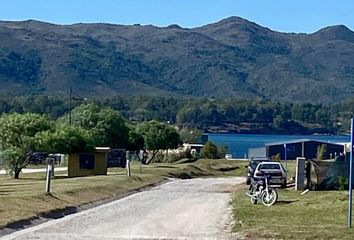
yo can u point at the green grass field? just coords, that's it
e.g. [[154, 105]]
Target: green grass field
[[25, 198], [315, 215]]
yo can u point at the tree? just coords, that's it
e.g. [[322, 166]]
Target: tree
[[158, 136], [64, 139], [212, 151], [17, 139], [279, 122], [135, 141], [190, 135], [106, 126], [189, 114]]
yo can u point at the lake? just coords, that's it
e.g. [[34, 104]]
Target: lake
[[238, 144]]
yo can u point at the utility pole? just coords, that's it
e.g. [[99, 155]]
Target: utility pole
[[286, 156], [70, 96], [350, 175]]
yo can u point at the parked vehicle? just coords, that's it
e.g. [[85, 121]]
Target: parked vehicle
[[228, 156], [261, 190], [253, 163], [275, 170]]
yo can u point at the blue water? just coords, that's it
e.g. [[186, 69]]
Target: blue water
[[238, 144]]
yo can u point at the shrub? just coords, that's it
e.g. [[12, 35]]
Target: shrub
[[343, 183], [212, 151]]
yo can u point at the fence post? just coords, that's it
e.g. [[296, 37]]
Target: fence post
[[128, 168], [48, 178], [300, 173]]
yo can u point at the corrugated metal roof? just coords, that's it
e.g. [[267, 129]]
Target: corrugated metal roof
[[303, 140]]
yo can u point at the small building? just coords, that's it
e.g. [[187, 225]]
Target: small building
[[306, 148], [87, 164], [193, 147]]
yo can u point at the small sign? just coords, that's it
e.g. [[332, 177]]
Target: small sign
[[116, 158]]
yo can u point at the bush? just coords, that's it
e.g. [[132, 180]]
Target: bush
[[321, 151], [343, 183], [171, 157], [276, 157], [212, 151]]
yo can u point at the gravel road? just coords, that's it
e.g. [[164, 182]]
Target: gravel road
[[179, 209]]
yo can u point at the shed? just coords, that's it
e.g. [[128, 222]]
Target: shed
[[86, 164], [303, 148], [193, 147]]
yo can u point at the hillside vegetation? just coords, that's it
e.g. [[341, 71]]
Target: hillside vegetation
[[209, 115], [231, 58]]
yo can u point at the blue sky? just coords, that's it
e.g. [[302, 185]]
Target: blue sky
[[281, 15]]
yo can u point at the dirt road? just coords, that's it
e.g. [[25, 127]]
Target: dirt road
[[180, 209]]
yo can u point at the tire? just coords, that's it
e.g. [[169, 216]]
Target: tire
[[248, 181], [283, 185], [269, 198]]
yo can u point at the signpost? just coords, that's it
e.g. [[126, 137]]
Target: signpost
[[350, 175], [286, 157]]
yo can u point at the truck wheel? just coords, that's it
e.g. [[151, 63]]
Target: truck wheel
[[248, 181]]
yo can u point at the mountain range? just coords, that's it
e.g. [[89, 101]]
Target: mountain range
[[230, 58]]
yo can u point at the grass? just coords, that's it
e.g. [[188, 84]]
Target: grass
[[315, 215], [25, 198]]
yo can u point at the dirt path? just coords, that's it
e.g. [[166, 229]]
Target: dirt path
[[180, 209], [36, 170]]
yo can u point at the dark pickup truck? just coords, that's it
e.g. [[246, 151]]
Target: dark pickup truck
[[253, 163]]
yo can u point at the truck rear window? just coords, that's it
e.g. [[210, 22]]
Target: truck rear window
[[269, 166]]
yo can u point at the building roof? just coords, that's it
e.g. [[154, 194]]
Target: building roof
[[303, 140], [102, 149], [192, 145]]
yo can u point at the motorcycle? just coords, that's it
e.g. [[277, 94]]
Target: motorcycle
[[260, 190]]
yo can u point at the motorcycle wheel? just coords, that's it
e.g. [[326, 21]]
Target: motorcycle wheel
[[269, 198]]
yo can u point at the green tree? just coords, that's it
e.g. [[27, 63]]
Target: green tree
[[210, 150], [64, 139], [279, 122], [158, 136], [190, 135], [135, 141], [106, 126], [189, 114], [17, 139]]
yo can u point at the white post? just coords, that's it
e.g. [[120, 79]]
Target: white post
[[48, 178]]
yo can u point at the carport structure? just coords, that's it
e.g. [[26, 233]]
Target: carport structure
[[306, 148]]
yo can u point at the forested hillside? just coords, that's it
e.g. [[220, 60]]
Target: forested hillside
[[231, 58], [209, 115]]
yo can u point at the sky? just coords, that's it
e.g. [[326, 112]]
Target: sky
[[281, 15]]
